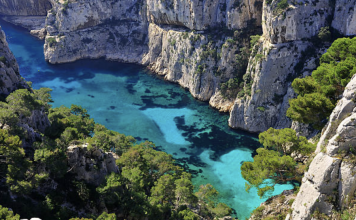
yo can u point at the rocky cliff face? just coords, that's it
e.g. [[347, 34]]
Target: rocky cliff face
[[183, 40], [202, 15], [330, 183], [189, 42], [24, 7], [93, 29], [10, 80], [284, 52], [9, 70], [91, 165]]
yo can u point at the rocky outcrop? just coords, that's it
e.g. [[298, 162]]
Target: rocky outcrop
[[345, 17], [275, 206], [195, 60], [270, 71], [330, 182], [91, 165], [93, 29], [10, 78], [189, 42], [297, 21], [284, 52], [202, 15], [24, 7], [158, 34]]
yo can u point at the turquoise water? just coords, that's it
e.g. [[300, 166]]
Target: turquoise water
[[129, 99]]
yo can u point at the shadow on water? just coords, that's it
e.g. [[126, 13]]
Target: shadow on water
[[130, 99]]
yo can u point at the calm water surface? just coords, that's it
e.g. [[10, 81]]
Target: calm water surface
[[129, 99]]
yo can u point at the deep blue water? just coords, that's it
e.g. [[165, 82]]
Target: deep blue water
[[129, 99]]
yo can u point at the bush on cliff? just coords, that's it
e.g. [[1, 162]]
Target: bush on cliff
[[318, 94]]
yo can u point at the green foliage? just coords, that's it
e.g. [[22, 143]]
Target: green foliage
[[54, 159], [258, 211], [282, 5], [318, 94], [254, 40], [285, 141], [230, 41], [3, 59], [109, 140], [188, 214], [13, 163], [268, 164], [310, 109], [51, 41], [148, 184], [6, 214], [273, 164], [261, 108], [199, 70], [324, 34], [22, 102], [106, 216], [208, 196], [69, 124], [230, 88]]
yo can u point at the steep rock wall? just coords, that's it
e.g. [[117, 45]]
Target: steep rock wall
[[90, 165], [330, 182], [10, 78], [280, 56], [24, 7], [202, 15], [94, 29], [270, 71], [197, 61], [345, 17], [159, 36]]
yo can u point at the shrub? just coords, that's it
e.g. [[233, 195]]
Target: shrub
[[51, 41]]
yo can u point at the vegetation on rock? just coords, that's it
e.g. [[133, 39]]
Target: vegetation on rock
[[318, 94], [149, 182], [276, 163]]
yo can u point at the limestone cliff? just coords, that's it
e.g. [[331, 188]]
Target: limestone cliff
[[183, 40], [92, 165], [24, 7], [9, 70], [93, 29], [284, 52], [330, 183], [197, 44], [10, 81]]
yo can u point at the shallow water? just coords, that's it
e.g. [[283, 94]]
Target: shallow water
[[129, 99]]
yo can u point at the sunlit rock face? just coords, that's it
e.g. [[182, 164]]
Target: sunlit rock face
[[330, 179], [93, 29], [285, 51], [9, 70], [202, 15], [24, 7], [174, 39], [345, 17], [159, 35]]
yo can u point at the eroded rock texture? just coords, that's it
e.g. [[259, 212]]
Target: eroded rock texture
[[330, 182]]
